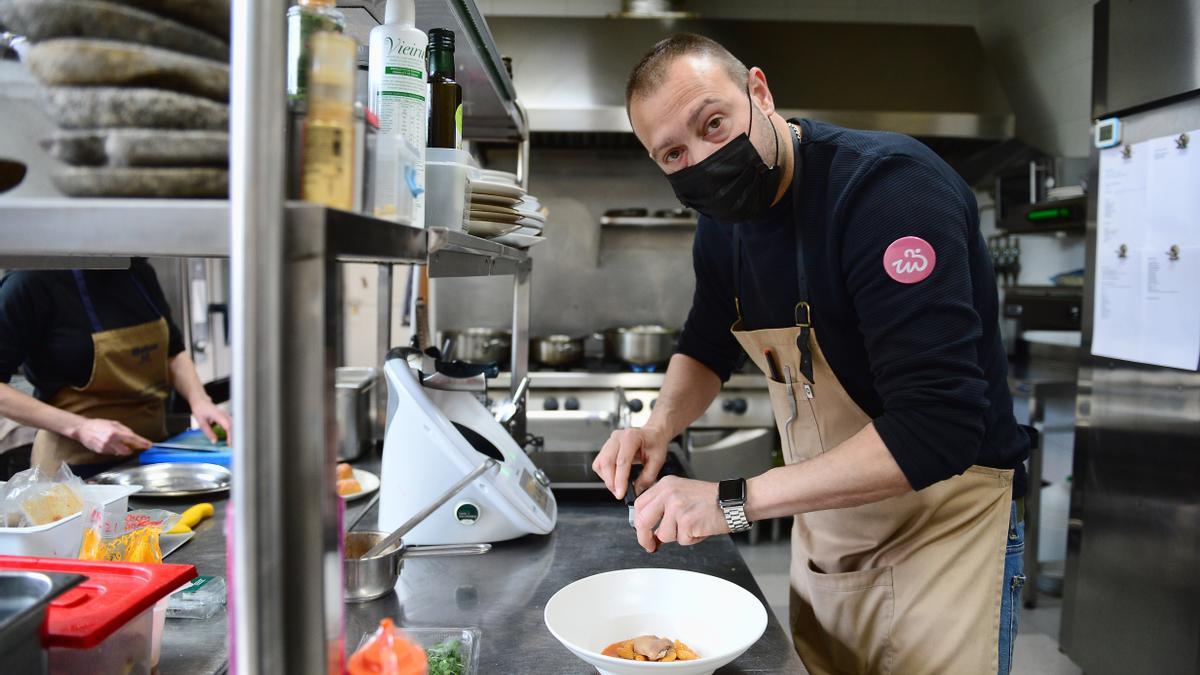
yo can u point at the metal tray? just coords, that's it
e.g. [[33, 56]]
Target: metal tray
[[171, 479]]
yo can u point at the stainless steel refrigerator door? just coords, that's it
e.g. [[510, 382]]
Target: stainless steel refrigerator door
[[1132, 588]]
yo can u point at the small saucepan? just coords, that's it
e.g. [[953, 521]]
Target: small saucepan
[[479, 345], [644, 345], [370, 578], [557, 351]]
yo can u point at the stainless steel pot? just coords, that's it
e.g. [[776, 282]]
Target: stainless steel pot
[[370, 578], [355, 393], [640, 345], [557, 351], [479, 345]]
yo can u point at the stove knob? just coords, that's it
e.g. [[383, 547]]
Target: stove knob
[[737, 406], [635, 405], [550, 403], [572, 403]]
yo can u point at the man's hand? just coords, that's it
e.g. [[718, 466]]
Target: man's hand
[[207, 414], [646, 446], [106, 437], [678, 509]]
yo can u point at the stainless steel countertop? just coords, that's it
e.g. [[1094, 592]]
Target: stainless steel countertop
[[196, 645], [502, 593]]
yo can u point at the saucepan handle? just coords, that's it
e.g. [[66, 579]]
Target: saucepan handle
[[445, 550]]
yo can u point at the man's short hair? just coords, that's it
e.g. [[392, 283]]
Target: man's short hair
[[649, 72]]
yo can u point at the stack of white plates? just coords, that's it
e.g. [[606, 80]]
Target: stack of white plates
[[500, 210]]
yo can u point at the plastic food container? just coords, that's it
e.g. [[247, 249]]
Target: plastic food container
[[428, 637], [106, 623], [61, 538]]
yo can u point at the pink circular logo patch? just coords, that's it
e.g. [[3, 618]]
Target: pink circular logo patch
[[909, 260]]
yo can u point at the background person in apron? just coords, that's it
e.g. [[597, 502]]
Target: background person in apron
[[849, 266], [102, 355]]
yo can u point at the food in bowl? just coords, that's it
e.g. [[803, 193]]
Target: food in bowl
[[718, 619], [344, 471], [651, 648]]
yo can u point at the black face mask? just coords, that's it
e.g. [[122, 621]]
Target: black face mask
[[733, 184]]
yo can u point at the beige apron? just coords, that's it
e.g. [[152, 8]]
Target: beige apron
[[910, 584], [129, 384]]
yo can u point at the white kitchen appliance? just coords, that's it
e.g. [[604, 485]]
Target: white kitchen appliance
[[436, 436]]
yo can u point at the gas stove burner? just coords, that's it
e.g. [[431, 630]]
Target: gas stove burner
[[648, 368]]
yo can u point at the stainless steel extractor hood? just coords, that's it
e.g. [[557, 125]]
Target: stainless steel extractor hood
[[926, 81]]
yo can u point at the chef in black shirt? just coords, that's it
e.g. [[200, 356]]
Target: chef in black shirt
[[102, 355], [849, 267]]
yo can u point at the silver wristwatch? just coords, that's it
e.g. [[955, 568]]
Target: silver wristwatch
[[731, 496]]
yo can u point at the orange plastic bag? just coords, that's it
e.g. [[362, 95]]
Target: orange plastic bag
[[388, 652], [132, 537]]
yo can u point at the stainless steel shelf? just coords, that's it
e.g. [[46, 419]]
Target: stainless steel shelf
[[646, 222], [83, 232], [489, 98], [458, 254], [193, 228]]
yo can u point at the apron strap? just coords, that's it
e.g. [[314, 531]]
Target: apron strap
[[90, 307], [86, 298], [802, 312]]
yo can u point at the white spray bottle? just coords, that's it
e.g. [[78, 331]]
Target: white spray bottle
[[396, 89]]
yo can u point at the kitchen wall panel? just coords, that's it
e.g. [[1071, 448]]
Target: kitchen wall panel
[[586, 277]]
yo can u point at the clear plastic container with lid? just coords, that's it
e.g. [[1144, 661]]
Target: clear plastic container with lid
[[106, 623]]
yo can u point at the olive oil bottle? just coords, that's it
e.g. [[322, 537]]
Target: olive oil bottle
[[328, 173], [445, 95]]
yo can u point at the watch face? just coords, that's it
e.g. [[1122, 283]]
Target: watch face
[[731, 491]]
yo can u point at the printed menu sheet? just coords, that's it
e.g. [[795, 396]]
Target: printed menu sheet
[[1147, 266]]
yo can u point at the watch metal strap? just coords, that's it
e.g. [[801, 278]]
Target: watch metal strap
[[735, 518]]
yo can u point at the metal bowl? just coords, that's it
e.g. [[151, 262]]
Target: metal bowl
[[170, 479]]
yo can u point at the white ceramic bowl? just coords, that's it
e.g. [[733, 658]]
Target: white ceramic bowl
[[716, 618]]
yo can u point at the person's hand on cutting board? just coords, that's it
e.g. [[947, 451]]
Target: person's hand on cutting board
[[106, 437], [214, 422], [187, 383]]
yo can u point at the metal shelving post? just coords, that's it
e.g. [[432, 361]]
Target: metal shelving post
[[286, 597], [285, 608]]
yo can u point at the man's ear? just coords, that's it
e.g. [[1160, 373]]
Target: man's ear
[[760, 92]]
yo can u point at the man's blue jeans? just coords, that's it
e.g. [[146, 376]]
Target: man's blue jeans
[[1014, 581]]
